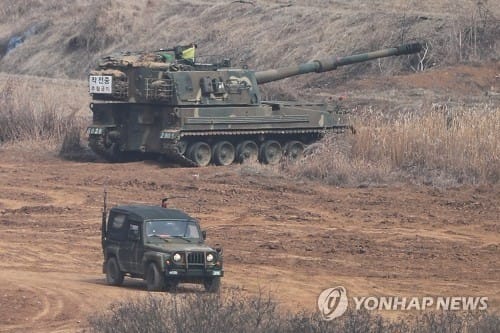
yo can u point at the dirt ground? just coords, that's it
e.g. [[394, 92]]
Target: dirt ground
[[291, 238]]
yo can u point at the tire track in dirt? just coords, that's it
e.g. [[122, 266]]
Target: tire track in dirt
[[53, 301]]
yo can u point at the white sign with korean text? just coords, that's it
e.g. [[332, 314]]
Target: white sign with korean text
[[100, 84]]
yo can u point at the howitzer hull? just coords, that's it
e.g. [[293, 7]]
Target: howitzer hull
[[243, 131]]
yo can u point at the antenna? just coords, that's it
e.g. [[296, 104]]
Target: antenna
[[105, 200], [104, 215]]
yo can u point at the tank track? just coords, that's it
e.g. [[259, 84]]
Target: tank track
[[338, 129], [96, 143], [171, 152]]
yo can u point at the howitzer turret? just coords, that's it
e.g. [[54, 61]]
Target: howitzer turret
[[167, 103]]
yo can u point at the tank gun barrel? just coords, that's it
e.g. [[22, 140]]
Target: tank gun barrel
[[329, 64]]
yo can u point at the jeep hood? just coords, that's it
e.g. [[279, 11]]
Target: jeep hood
[[173, 247]]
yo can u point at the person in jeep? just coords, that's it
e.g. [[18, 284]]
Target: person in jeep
[[163, 246]]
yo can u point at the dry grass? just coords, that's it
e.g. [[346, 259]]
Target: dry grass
[[440, 147], [41, 113], [71, 36]]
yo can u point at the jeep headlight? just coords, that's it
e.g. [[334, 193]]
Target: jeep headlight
[[210, 257], [177, 257]]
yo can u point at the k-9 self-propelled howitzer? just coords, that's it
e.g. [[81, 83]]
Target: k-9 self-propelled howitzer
[[166, 103]]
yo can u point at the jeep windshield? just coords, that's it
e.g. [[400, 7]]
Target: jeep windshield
[[169, 230]]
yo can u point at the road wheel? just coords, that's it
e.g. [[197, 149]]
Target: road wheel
[[200, 153], [114, 276], [248, 151], [115, 155], [294, 150], [224, 153], [212, 285], [108, 150], [154, 278], [182, 147], [270, 152]]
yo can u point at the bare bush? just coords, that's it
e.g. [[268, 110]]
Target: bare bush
[[190, 313], [474, 32], [35, 115], [13, 10], [72, 147], [440, 147], [235, 312], [264, 35]]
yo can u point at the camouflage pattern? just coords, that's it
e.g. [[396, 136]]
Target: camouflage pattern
[[194, 113], [332, 63]]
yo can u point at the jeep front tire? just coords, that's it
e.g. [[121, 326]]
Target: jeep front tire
[[212, 285], [114, 276], [154, 278], [171, 285]]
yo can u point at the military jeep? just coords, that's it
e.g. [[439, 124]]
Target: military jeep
[[163, 246]]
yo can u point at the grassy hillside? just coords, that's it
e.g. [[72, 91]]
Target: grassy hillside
[[64, 39], [421, 132]]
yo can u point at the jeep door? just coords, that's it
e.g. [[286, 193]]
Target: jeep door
[[136, 247], [116, 237], [131, 246]]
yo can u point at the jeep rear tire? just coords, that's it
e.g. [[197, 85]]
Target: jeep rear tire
[[154, 278], [212, 285], [114, 276]]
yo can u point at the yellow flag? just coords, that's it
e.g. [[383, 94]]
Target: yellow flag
[[188, 54]]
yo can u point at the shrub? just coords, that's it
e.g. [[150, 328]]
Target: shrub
[[441, 147], [236, 312], [29, 114]]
